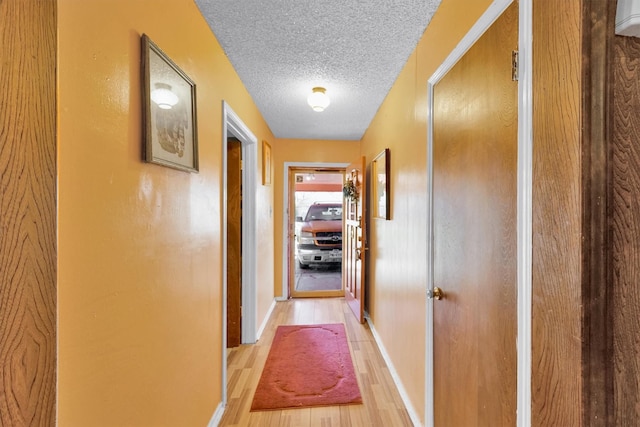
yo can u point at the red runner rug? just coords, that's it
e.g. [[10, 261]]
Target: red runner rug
[[308, 365]]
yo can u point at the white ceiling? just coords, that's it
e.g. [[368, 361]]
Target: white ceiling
[[283, 48]]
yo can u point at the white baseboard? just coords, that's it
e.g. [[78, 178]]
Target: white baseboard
[[266, 319], [394, 375], [217, 416]]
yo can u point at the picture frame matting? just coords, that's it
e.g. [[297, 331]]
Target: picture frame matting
[[168, 111]]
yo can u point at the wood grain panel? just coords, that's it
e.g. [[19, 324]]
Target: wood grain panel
[[625, 227], [557, 214], [234, 242], [28, 212], [597, 38]]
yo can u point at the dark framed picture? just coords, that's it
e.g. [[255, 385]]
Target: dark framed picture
[[381, 187], [168, 111], [266, 163]]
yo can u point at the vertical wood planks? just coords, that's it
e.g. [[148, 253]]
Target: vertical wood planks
[[28, 212], [557, 215], [625, 231]]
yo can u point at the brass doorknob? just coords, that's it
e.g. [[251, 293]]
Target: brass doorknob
[[435, 293]]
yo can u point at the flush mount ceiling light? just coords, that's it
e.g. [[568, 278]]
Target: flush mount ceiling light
[[318, 99], [163, 96]]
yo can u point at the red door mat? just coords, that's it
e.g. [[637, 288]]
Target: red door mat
[[308, 365]]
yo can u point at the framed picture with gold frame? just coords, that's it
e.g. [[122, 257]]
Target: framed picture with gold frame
[[380, 185], [168, 111], [266, 163]]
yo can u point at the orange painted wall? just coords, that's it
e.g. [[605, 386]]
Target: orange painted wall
[[139, 261], [397, 281], [300, 151]]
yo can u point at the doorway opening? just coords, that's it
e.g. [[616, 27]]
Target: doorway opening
[[234, 129], [315, 221]]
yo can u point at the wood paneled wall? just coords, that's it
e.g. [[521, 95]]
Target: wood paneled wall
[[611, 227], [557, 210], [27, 212], [611, 220], [597, 37], [625, 231]]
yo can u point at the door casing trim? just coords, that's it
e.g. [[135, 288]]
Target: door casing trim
[[524, 201], [285, 216], [233, 125], [525, 209]]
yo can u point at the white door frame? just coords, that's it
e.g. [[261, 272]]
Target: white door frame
[[524, 201], [285, 210], [232, 125]]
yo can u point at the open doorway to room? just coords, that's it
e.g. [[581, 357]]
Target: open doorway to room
[[315, 245], [239, 234]]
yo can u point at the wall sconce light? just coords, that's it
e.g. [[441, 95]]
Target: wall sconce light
[[318, 99], [163, 96]]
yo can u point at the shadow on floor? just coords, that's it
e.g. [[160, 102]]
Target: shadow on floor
[[321, 278]]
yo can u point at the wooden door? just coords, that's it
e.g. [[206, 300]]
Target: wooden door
[[234, 242], [353, 241], [474, 232]]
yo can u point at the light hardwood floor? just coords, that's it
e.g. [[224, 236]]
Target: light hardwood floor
[[382, 403]]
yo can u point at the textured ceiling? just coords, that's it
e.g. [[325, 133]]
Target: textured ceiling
[[283, 48]]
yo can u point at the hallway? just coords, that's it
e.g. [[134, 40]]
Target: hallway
[[382, 403]]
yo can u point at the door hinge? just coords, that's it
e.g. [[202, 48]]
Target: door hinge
[[514, 65]]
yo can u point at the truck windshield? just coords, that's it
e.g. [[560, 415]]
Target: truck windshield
[[324, 213]]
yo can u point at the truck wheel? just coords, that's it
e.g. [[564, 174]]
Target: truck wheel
[[303, 266]]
